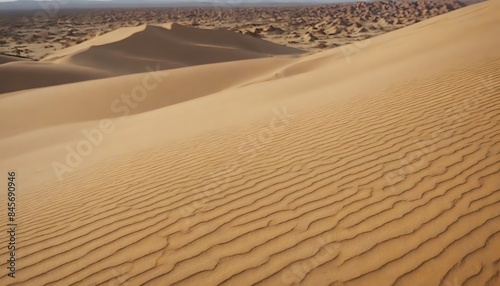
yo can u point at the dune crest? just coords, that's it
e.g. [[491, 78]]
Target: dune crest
[[140, 49], [169, 46]]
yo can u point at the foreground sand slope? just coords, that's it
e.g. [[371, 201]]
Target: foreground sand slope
[[335, 76], [380, 166]]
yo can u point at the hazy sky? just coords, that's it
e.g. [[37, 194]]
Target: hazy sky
[[191, 1]]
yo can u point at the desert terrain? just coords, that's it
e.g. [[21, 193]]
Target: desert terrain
[[35, 34], [175, 153]]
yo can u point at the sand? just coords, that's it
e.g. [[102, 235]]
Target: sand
[[376, 163], [307, 27]]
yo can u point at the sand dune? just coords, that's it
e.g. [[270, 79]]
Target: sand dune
[[370, 164], [91, 103], [20, 75], [129, 50], [308, 27], [6, 59], [136, 50]]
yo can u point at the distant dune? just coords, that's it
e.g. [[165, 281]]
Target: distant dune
[[136, 50], [129, 50], [35, 34], [241, 162]]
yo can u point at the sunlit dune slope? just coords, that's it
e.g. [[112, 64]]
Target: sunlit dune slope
[[377, 164]]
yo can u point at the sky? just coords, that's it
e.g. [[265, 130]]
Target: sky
[[226, 2], [180, 1], [9, 5]]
